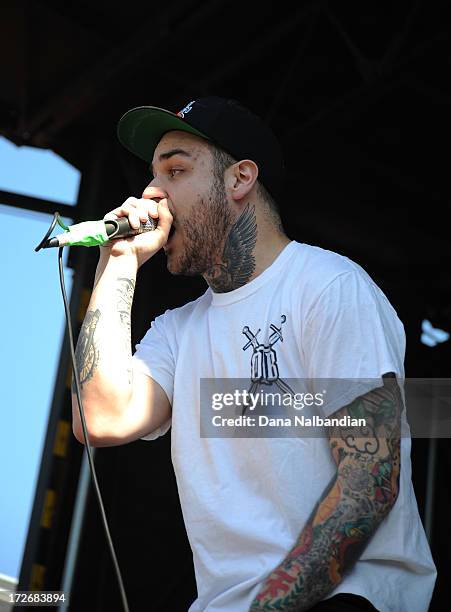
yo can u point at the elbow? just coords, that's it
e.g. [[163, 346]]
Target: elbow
[[78, 433], [77, 427], [101, 429], [95, 425]]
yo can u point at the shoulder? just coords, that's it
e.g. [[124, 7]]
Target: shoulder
[[182, 314], [327, 278], [323, 266], [319, 269]]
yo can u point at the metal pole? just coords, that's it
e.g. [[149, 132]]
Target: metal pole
[[75, 530]]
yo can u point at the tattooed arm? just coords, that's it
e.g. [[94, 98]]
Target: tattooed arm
[[120, 405], [351, 508]]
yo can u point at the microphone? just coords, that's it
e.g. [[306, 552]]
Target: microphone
[[96, 233]]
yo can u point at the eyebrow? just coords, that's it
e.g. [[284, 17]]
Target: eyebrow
[[169, 154]]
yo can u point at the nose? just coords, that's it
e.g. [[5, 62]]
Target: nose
[[154, 191]]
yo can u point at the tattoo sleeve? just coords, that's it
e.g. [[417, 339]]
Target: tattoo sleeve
[[351, 508]]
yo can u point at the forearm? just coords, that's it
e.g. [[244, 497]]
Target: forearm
[[331, 541], [350, 510], [103, 353]]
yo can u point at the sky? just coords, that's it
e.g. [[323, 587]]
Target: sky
[[32, 316]]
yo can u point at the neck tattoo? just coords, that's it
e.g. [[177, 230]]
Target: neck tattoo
[[237, 261]]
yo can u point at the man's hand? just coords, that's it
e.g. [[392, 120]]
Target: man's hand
[[354, 504], [143, 246]]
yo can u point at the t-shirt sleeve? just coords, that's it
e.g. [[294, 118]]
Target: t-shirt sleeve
[[352, 336], [154, 358]]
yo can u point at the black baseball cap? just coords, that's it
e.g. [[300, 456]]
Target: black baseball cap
[[224, 122]]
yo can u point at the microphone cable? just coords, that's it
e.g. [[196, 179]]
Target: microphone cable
[[85, 434]]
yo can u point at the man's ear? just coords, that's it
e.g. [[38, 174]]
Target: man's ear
[[241, 178]]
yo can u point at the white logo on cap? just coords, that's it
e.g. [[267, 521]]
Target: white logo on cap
[[186, 110]]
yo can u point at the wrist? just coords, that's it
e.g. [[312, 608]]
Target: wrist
[[111, 265]]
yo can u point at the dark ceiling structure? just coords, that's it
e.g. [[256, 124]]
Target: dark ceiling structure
[[359, 95]]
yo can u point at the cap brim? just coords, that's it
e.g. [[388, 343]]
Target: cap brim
[[141, 129]]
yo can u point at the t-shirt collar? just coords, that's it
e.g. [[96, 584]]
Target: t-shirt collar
[[223, 299]]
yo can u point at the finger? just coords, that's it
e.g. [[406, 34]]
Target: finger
[[111, 215], [129, 204], [124, 209], [139, 208], [164, 217], [134, 217], [148, 208], [128, 209], [153, 208]]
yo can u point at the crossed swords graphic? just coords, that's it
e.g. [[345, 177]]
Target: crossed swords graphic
[[266, 353]]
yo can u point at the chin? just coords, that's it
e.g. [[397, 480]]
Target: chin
[[185, 261], [177, 267], [172, 268], [173, 264]]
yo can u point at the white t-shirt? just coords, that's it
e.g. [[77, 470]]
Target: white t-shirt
[[246, 500]]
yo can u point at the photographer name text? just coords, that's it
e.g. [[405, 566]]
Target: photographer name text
[[297, 421]]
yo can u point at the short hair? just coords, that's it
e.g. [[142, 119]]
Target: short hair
[[223, 160]]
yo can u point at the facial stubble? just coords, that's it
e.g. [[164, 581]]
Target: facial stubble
[[203, 236]]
